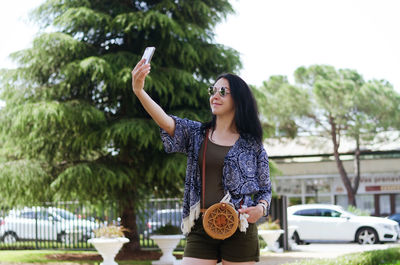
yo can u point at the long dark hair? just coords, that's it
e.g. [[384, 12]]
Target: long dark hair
[[246, 111]]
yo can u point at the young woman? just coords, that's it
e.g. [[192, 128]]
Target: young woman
[[236, 163]]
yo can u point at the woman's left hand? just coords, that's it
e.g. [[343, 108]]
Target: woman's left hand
[[254, 212]]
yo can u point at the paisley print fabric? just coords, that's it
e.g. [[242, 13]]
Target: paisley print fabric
[[245, 171]]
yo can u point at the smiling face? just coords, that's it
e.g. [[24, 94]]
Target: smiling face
[[222, 105]]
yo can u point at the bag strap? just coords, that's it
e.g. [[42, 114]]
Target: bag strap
[[204, 171]]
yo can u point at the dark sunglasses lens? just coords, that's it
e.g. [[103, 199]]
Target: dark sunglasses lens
[[222, 91], [211, 91]]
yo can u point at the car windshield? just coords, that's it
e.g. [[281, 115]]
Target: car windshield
[[65, 214], [322, 211]]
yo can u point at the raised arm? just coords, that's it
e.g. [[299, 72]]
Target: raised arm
[[139, 74]]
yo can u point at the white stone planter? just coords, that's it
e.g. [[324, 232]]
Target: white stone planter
[[108, 248], [167, 244], [270, 237]]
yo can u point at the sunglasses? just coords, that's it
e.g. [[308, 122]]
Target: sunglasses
[[212, 90]]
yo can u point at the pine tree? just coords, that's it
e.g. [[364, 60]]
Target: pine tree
[[72, 128]]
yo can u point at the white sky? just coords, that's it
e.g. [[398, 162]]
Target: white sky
[[277, 36]]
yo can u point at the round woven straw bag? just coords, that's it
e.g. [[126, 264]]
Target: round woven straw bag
[[220, 221]]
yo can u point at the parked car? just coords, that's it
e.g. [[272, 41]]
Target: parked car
[[163, 217], [45, 224], [395, 217], [325, 222]]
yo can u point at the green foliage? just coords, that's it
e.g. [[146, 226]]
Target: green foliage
[[72, 128], [168, 229], [17, 175], [357, 211], [269, 225], [330, 103], [48, 129], [375, 257], [280, 117], [341, 98], [105, 181], [70, 105]]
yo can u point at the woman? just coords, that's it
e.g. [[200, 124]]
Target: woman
[[236, 163]]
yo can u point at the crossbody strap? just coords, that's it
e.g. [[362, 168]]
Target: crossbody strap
[[204, 171]]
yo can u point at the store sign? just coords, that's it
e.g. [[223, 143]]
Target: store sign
[[380, 179], [383, 188], [372, 184]]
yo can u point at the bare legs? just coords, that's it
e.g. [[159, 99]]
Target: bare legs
[[224, 262], [194, 261]]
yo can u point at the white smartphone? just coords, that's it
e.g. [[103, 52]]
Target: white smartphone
[[148, 54]]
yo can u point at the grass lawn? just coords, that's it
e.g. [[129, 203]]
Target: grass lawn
[[39, 256], [394, 263], [389, 256]]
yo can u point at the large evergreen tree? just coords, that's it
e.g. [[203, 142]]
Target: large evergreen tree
[[72, 128]]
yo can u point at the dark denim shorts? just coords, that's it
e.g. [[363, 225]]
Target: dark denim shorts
[[240, 247]]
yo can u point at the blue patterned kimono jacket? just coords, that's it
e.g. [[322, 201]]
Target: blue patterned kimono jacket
[[245, 171]]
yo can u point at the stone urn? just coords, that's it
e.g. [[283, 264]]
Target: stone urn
[[167, 244], [270, 237], [108, 248]]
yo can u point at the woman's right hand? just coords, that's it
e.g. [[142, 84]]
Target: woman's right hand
[[139, 74]]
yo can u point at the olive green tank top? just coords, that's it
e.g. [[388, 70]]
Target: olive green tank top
[[215, 155]]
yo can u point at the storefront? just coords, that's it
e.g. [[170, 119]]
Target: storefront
[[314, 178]]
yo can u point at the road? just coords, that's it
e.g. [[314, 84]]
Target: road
[[318, 250]]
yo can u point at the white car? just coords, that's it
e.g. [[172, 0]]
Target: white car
[[326, 222], [164, 217], [48, 223]]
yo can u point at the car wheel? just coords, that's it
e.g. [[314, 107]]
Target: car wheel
[[10, 238], [86, 237], [367, 236], [62, 237], [296, 238]]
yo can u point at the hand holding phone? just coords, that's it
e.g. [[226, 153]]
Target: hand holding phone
[[148, 54]]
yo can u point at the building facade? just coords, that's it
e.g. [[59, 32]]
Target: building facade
[[314, 178]]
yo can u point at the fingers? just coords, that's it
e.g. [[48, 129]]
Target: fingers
[[140, 68], [139, 74], [140, 71], [143, 72], [244, 210], [140, 63], [253, 213]]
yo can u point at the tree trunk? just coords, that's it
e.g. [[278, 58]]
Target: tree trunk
[[343, 174], [357, 168], [128, 220]]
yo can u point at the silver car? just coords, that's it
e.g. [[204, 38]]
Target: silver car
[[164, 217], [45, 223]]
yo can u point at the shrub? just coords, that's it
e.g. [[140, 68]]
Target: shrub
[[110, 231], [168, 229], [270, 225], [357, 211]]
